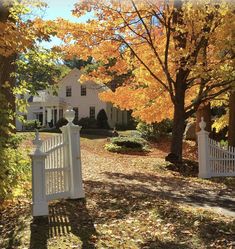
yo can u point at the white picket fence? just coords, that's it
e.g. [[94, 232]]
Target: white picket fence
[[214, 160], [56, 167], [57, 170]]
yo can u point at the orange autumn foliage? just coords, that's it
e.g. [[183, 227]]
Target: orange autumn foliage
[[142, 37], [17, 33]]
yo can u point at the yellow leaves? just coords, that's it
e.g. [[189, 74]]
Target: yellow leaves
[[117, 31], [147, 103], [221, 122], [17, 34], [6, 84]]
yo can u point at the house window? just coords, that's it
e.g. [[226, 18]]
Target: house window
[[92, 112], [76, 114], [83, 91], [68, 91]]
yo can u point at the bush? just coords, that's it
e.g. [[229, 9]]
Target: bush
[[122, 127], [14, 141], [155, 130], [127, 144], [102, 120], [88, 123], [14, 171], [61, 122], [30, 125]]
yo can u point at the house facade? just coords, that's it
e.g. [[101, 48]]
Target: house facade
[[48, 109]]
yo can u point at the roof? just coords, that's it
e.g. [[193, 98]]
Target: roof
[[41, 97]]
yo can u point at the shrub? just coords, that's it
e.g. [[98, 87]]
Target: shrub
[[61, 122], [122, 127], [127, 144], [14, 141], [102, 120], [14, 171], [155, 130], [30, 125], [88, 123]]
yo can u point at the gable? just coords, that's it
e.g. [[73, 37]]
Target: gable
[[72, 80]]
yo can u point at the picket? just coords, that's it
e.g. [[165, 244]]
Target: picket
[[56, 167], [214, 160]]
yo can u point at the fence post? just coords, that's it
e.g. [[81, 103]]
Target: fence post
[[203, 151], [73, 135], [40, 205]]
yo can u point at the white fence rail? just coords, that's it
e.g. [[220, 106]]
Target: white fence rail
[[214, 159], [56, 167]]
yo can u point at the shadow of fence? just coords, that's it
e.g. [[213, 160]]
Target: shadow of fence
[[65, 217]]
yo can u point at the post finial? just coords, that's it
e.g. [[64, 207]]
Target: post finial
[[202, 124], [69, 114], [37, 141]]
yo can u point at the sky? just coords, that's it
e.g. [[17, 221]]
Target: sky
[[60, 8]]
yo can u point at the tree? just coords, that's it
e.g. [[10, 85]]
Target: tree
[[102, 120], [17, 34], [176, 52], [226, 118], [39, 68], [7, 102], [231, 126], [75, 62]]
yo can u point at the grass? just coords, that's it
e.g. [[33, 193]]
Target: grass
[[132, 201]]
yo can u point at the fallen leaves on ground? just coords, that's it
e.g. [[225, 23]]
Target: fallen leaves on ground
[[132, 201]]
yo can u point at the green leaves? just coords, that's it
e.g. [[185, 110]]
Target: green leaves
[[39, 68]]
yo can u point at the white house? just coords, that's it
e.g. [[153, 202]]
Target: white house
[[48, 109]]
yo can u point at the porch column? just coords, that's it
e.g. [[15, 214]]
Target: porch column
[[53, 116], [58, 113], [43, 116]]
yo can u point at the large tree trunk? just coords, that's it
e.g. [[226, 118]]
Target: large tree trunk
[[177, 135], [178, 123], [179, 88], [7, 102], [7, 83], [231, 126]]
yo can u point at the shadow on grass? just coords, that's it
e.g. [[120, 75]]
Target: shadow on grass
[[155, 244], [65, 217], [12, 224], [190, 229], [229, 182], [181, 190], [147, 198], [188, 168]]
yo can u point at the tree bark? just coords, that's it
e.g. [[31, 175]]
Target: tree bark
[[178, 122], [7, 83], [177, 135], [179, 89], [231, 126]]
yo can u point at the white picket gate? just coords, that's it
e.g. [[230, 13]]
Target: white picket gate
[[57, 170], [214, 159], [56, 167]]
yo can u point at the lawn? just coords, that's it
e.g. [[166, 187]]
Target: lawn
[[132, 201]]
